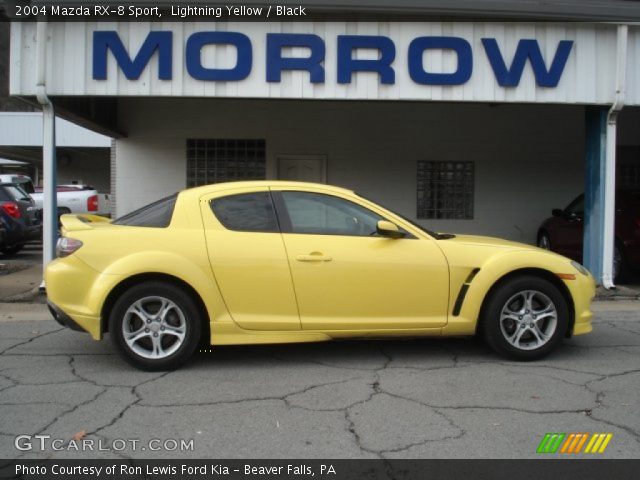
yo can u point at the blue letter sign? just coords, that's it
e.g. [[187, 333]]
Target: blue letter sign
[[527, 49], [459, 45], [312, 64], [200, 39], [109, 40], [347, 64], [133, 64]]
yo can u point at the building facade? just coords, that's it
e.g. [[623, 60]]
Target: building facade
[[465, 126]]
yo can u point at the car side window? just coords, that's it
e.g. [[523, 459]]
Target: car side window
[[576, 207], [246, 212], [321, 214]]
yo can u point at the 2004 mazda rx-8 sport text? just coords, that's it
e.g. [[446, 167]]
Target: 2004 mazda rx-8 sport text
[[279, 262]]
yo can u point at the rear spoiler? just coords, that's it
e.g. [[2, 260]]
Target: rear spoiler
[[84, 221]]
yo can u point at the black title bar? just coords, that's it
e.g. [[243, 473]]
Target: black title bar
[[297, 469]]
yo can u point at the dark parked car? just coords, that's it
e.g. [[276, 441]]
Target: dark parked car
[[20, 218], [3, 232], [563, 233]]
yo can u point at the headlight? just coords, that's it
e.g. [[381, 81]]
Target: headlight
[[580, 268]]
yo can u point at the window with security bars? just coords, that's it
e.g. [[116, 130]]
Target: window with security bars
[[224, 160], [445, 190]]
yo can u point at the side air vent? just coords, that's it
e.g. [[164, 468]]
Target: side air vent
[[463, 292]]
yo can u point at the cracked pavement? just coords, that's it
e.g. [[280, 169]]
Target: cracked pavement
[[426, 398]]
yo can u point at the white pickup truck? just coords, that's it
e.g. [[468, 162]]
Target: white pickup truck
[[71, 198]]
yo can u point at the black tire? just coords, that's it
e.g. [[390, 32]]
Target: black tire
[[506, 295], [623, 267], [186, 315], [13, 249]]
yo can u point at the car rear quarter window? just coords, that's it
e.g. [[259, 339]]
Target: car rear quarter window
[[247, 212], [4, 195], [12, 193], [18, 194], [154, 215]]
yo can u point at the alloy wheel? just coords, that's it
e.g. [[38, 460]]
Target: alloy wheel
[[154, 327], [528, 320]]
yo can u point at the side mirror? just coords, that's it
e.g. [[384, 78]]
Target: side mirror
[[388, 229], [556, 212]]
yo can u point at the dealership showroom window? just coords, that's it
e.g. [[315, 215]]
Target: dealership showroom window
[[295, 203]]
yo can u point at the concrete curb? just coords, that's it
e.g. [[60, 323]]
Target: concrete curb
[[618, 293], [30, 296]]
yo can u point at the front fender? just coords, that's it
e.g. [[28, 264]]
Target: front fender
[[500, 265]]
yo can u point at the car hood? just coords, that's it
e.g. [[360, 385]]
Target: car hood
[[471, 251], [480, 241]]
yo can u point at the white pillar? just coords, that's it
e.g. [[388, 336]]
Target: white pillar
[[610, 168], [49, 177], [49, 184]]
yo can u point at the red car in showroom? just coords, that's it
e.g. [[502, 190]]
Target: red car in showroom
[[563, 232]]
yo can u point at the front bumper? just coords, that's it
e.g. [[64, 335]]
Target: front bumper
[[583, 291]]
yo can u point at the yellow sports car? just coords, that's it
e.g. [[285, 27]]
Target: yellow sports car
[[279, 262]]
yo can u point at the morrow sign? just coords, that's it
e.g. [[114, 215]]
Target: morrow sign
[[507, 71]]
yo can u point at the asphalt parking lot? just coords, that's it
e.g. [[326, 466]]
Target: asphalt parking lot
[[393, 399]]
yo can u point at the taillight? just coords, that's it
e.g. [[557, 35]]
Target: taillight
[[66, 246], [12, 209], [92, 203]]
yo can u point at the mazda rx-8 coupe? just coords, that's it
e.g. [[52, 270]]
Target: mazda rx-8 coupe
[[269, 262]]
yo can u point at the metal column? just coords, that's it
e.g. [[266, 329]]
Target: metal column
[[600, 191], [49, 184], [596, 135], [49, 167]]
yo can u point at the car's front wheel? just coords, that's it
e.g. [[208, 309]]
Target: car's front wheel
[[155, 326], [525, 318]]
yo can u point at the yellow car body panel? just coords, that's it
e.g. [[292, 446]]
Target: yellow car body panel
[[252, 271], [255, 290], [367, 283]]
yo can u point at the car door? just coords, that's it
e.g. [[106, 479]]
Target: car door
[[248, 259], [346, 277], [570, 228]]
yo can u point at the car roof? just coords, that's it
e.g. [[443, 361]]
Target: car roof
[[218, 187]]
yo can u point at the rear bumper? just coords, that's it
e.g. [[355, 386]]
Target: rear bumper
[[63, 319], [74, 294]]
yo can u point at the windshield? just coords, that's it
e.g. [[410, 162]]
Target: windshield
[[419, 227]]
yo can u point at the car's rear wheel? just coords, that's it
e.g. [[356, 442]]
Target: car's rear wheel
[[525, 318], [155, 326], [13, 249]]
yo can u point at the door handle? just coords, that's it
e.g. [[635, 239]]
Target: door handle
[[313, 257]]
